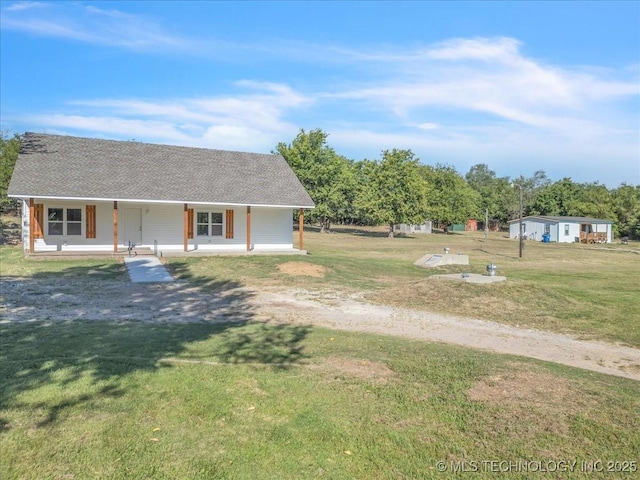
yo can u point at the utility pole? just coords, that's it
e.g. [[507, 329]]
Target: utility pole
[[521, 239], [486, 224]]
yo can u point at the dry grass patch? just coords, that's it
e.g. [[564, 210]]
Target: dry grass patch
[[375, 372], [525, 400], [510, 303], [302, 269]]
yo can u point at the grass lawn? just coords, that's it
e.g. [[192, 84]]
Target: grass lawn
[[130, 400], [97, 400]]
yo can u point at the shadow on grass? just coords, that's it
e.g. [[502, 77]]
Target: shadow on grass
[[9, 232], [85, 343]]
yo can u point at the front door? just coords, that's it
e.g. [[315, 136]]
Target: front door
[[132, 226]]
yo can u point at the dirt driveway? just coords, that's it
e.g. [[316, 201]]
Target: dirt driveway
[[32, 300]]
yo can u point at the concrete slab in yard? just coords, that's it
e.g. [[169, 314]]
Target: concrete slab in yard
[[471, 277], [147, 270], [435, 260]]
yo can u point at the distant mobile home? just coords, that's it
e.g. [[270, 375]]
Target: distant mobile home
[[412, 228], [84, 194], [563, 229]]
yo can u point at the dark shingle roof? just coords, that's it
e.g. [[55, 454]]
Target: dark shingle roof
[[73, 167]]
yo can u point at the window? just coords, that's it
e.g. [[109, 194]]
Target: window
[[547, 228], [56, 221], [74, 221], [566, 229], [55, 217], [209, 224]]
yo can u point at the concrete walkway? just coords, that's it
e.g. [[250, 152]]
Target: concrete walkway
[[147, 270]]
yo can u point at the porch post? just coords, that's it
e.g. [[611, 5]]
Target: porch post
[[248, 229], [32, 226], [301, 229], [115, 226], [185, 228]]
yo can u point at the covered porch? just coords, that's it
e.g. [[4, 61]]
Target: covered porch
[[72, 227]]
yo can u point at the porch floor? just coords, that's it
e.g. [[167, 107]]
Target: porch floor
[[124, 252]]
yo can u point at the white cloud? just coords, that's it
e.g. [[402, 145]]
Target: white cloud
[[90, 24], [253, 121], [21, 6]]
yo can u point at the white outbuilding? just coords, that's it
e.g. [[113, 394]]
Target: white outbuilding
[[563, 229]]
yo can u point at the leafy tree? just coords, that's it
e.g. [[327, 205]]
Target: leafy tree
[[392, 190], [328, 177], [451, 199], [556, 199], [595, 200], [9, 149], [495, 194], [626, 205]]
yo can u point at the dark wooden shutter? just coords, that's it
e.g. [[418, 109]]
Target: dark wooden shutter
[[229, 221], [38, 213], [190, 223], [91, 222]]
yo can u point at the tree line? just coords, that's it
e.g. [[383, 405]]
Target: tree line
[[398, 188]]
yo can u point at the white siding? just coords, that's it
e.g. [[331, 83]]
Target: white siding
[[104, 228], [25, 225], [271, 228], [535, 229], [221, 243]]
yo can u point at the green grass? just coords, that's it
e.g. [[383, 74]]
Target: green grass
[[131, 401]]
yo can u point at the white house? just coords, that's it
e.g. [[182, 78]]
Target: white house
[[563, 229], [82, 194]]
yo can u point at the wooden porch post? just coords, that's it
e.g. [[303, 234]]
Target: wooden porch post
[[115, 227], [248, 229], [32, 226], [301, 229], [185, 233]]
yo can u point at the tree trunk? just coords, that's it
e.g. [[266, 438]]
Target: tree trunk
[[390, 231], [325, 225]]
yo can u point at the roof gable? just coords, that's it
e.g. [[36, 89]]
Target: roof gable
[[75, 167]]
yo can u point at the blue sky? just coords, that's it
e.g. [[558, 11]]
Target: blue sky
[[520, 86]]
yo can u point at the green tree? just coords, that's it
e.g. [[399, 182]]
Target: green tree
[[451, 199], [9, 149], [328, 177], [626, 206], [392, 190], [495, 194], [560, 198], [595, 200]]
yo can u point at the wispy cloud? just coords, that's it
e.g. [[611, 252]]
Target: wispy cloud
[[90, 24], [253, 120]]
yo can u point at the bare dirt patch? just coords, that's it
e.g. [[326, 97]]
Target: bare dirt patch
[[519, 385], [359, 369], [302, 269], [526, 399]]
